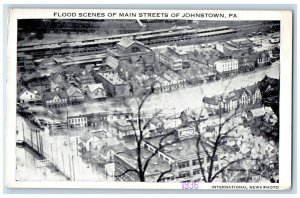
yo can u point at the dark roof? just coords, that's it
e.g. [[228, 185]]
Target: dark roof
[[239, 92], [51, 95], [212, 101], [252, 88], [39, 81], [263, 53]]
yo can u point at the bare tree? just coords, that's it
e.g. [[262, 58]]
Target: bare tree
[[140, 126], [227, 129]]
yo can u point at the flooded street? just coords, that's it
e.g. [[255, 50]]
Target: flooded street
[[60, 151], [27, 169], [179, 100]]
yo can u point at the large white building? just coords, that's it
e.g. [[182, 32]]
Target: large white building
[[225, 66]]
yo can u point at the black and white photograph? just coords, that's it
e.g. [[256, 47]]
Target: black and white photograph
[[179, 101]]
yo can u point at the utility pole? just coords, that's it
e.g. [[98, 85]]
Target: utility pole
[[62, 157], [73, 166], [23, 131], [70, 166]]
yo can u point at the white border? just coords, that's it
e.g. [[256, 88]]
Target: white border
[[285, 101]]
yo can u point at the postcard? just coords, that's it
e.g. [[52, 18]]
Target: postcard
[[149, 99]]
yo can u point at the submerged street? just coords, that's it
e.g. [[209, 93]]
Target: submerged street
[[177, 100]]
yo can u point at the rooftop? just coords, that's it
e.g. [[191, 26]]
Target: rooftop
[[127, 42], [210, 100], [226, 61], [156, 164], [176, 148], [112, 62], [112, 78], [71, 90], [51, 95], [93, 87]]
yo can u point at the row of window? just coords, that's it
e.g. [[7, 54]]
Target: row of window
[[56, 100], [194, 162], [77, 120]]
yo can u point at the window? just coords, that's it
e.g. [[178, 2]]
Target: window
[[184, 174], [196, 161], [183, 164], [216, 168], [196, 171]]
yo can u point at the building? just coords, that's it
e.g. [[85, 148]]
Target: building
[[235, 47], [56, 86], [123, 128], [77, 121], [172, 62], [247, 63], [255, 92], [226, 49], [231, 101], [97, 120], [191, 116], [242, 43], [55, 99], [179, 151], [58, 77], [84, 80], [156, 126], [40, 84], [213, 103], [244, 96], [96, 91], [127, 160], [129, 48], [263, 59], [75, 95], [227, 67], [26, 96], [113, 85]]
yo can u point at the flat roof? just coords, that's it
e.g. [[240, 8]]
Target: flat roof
[[114, 38], [177, 149], [156, 164], [112, 78]]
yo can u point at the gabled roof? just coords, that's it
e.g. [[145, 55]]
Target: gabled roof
[[155, 121], [112, 62], [51, 95], [252, 88], [71, 90], [57, 74], [55, 85], [93, 87], [66, 85], [239, 92], [127, 42]]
